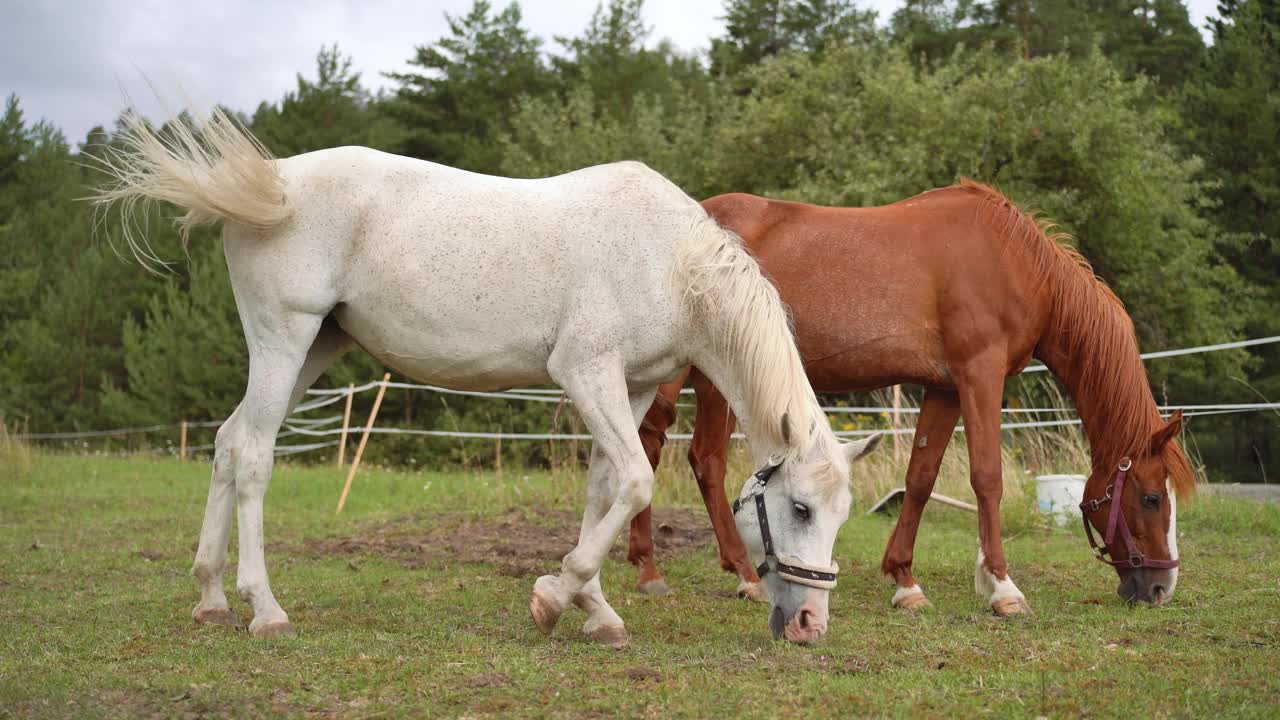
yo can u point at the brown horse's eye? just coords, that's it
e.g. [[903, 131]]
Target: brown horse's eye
[[1151, 501]]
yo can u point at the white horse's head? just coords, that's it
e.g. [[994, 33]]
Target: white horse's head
[[788, 514]]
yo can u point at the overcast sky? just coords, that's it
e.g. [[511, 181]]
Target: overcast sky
[[71, 61]]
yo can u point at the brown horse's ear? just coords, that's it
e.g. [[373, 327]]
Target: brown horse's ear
[[786, 428], [1166, 433]]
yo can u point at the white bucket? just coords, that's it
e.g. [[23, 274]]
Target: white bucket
[[1060, 496]]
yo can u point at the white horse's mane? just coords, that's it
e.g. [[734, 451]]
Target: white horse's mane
[[719, 279]]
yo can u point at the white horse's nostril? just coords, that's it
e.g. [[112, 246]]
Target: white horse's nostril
[[804, 619], [776, 622]]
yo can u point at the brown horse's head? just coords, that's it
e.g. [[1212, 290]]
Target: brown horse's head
[[1148, 508]]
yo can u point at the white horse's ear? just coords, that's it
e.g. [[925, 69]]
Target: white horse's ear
[[857, 448]]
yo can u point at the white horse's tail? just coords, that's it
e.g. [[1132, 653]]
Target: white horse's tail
[[219, 173], [751, 329]]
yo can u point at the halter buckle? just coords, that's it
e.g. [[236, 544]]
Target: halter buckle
[[1136, 560], [1096, 504], [1125, 464]]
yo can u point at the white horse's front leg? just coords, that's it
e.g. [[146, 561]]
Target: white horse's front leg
[[603, 624], [578, 581], [620, 485]]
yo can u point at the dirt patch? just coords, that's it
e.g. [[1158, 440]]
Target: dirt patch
[[519, 545], [642, 674], [485, 680]]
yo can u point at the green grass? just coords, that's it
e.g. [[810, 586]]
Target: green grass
[[95, 599]]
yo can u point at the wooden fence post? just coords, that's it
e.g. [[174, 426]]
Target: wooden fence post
[[897, 405], [346, 422], [182, 443], [355, 462], [497, 455]]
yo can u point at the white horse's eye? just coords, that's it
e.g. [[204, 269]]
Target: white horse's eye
[[802, 510]]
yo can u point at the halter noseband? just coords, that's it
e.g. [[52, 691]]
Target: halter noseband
[[793, 570], [1115, 519]]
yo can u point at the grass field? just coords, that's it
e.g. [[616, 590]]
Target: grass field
[[401, 615]]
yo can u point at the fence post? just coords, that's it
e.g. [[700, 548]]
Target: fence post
[[497, 454], [355, 462], [346, 421], [897, 405], [182, 443]]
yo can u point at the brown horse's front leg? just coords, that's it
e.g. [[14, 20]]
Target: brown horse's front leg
[[708, 456], [653, 435], [938, 414], [980, 385]]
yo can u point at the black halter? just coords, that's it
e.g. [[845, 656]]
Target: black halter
[[794, 571]]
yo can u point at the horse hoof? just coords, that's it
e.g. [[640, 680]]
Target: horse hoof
[[657, 587], [754, 592], [914, 601], [613, 636], [273, 628], [215, 616], [543, 606], [1010, 606]]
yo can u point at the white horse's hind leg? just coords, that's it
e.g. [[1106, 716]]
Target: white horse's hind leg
[[211, 556], [331, 343], [620, 484], [278, 348]]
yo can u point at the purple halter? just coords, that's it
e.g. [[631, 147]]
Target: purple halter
[[1115, 520]]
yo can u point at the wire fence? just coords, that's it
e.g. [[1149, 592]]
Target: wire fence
[[304, 427]]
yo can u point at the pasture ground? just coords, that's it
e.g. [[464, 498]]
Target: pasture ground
[[413, 603]]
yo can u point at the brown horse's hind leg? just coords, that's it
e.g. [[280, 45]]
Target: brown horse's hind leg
[[640, 553], [980, 384], [938, 414], [709, 456], [653, 435]]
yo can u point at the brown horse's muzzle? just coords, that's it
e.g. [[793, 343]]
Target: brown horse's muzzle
[[1150, 586]]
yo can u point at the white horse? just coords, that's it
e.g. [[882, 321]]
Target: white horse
[[606, 281]]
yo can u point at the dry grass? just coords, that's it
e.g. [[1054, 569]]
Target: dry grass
[[1025, 453], [15, 454]]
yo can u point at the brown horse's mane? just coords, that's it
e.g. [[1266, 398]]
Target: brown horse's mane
[[1092, 337]]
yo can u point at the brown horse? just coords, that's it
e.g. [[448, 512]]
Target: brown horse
[[955, 289]]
